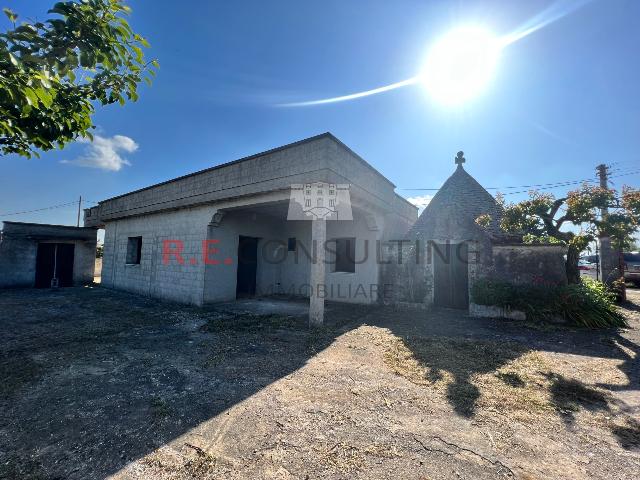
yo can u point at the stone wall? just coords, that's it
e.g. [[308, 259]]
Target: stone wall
[[152, 277], [405, 272], [529, 264], [410, 278]]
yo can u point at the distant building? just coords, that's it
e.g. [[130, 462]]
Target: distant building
[[40, 255]]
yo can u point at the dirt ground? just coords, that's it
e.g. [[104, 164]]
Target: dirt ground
[[96, 383]]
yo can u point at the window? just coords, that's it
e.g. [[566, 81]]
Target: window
[[332, 202], [307, 202], [332, 189], [345, 255], [134, 250], [291, 244]]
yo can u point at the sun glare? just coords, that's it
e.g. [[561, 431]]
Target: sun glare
[[461, 64]]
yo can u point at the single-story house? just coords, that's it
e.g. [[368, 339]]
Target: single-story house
[[227, 231]]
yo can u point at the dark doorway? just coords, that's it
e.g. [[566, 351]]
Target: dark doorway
[[451, 275], [54, 260], [247, 266]]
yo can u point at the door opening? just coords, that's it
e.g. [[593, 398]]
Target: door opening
[[54, 265], [247, 266]]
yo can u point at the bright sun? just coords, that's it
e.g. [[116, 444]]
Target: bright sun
[[460, 64]]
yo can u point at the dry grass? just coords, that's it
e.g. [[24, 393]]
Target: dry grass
[[481, 377], [346, 458]]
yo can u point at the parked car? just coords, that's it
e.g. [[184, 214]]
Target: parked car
[[632, 267], [588, 266]]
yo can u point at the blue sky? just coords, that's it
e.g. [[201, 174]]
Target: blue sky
[[563, 99]]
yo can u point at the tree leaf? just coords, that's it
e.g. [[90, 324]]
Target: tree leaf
[[11, 15]]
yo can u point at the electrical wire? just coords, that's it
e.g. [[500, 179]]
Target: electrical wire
[[39, 209], [539, 186]]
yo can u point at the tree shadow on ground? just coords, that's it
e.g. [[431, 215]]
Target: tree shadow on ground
[[451, 353], [454, 363], [570, 396], [103, 378], [628, 435]]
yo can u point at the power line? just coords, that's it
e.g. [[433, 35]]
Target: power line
[[39, 209], [540, 186]]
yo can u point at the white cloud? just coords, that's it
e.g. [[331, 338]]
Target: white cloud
[[105, 152], [420, 201]]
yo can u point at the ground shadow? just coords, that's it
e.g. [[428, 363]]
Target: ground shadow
[[460, 360], [102, 378], [570, 396], [474, 346], [628, 435]]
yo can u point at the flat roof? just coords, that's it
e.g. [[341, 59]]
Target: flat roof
[[47, 225], [256, 155]]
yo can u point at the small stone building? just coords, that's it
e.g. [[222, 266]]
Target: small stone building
[[447, 250], [40, 255]]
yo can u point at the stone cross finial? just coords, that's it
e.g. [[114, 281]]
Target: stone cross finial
[[460, 158]]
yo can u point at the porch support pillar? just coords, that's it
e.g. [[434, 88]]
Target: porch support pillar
[[317, 272]]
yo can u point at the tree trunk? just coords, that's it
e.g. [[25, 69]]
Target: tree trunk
[[573, 274]]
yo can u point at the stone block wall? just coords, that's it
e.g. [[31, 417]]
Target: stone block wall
[[405, 273], [529, 264], [152, 277], [19, 248]]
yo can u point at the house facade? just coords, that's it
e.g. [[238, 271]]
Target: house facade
[[228, 231]]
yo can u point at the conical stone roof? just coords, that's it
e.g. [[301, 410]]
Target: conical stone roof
[[452, 212]]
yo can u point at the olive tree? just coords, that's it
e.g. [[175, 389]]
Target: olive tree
[[543, 218]]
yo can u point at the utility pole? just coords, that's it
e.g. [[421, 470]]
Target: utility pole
[[79, 210], [605, 257], [611, 264], [603, 175]]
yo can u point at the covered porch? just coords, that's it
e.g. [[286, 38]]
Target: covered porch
[[260, 253]]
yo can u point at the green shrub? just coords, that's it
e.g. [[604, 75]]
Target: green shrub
[[587, 304]]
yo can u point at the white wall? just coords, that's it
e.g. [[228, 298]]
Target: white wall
[[278, 270], [183, 283]]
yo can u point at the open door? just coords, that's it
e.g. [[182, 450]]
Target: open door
[[54, 261], [451, 275], [247, 266]]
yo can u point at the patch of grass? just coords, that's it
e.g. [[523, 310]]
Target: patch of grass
[[22, 468], [160, 409], [17, 371], [247, 323], [571, 395], [485, 377], [474, 375], [348, 458], [201, 464]]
